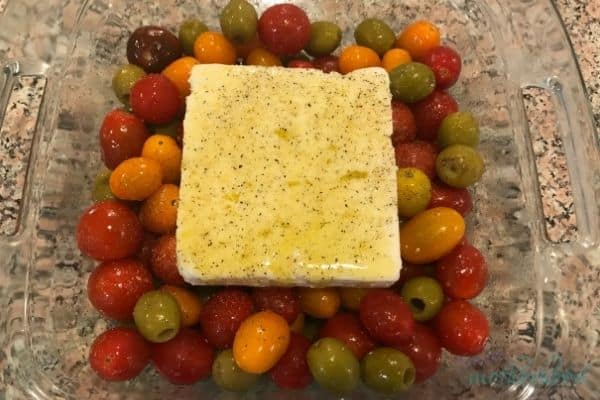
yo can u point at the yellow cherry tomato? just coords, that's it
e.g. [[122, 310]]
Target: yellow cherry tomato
[[418, 38], [351, 297], [298, 324], [179, 72], [356, 57], [431, 234], [319, 302], [260, 342], [166, 151], [394, 57], [260, 56]]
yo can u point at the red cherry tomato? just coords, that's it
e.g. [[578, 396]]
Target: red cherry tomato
[[222, 315], [291, 371], [386, 316], [417, 154], [115, 286], [462, 273], [122, 136], [300, 64], [185, 359], [143, 255], [445, 64], [155, 99], [430, 112], [424, 350], [119, 354], [283, 301], [109, 230], [462, 328], [346, 328], [284, 29], [403, 120], [446, 196], [410, 270], [327, 64], [163, 260]]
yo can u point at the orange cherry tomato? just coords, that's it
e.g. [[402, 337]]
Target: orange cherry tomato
[[298, 324], [188, 302], [263, 57], [214, 48], [351, 297], [260, 342], [357, 57], [319, 302], [418, 38], [244, 49], [135, 178], [179, 72], [394, 57], [164, 149], [431, 234], [159, 212]]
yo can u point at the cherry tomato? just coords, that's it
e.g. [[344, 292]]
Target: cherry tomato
[[122, 136], [283, 301], [189, 304], [424, 350], [155, 99], [443, 195], [462, 273], [319, 302], [261, 341], [222, 315], [115, 286], [445, 64], [185, 359], [300, 64], [284, 29], [136, 178], [109, 230], [417, 154], [346, 328], [163, 260], [119, 354], [143, 255], [403, 120], [260, 56], [387, 317], [351, 297], [291, 371], [410, 271], [431, 111], [357, 57], [419, 38], [327, 64], [462, 328], [431, 234], [214, 48]]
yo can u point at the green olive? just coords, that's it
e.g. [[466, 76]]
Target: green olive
[[124, 79], [411, 82], [424, 296], [325, 37], [311, 327], [333, 365], [101, 190], [157, 316], [414, 191], [188, 32], [227, 375], [238, 21], [459, 166], [387, 370], [170, 129], [458, 128], [375, 34]]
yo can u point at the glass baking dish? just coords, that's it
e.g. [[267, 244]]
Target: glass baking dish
[[540, 298]]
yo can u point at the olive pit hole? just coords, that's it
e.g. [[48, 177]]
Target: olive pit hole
[[417, 304]]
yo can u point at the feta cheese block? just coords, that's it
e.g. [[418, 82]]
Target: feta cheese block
[[288, 178]]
